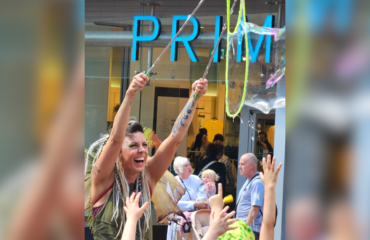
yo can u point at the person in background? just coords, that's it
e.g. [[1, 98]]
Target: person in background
[[205, 142], [251, 195], [214, 154], [263, 139], [198, 149], [191, 183], [219, 140]]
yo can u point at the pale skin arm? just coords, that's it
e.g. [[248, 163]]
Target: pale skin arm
[[269, 178], [133, 213], [219, 224], [158, 164], [102, 171], [252, 215]]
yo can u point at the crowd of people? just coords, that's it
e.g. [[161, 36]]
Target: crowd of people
[[124, 176]]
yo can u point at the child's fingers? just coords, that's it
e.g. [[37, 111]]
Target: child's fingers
[[263, 163], [137, 198], [268, 162], [278, 168], [273, 163], [232, 221], [220, 189], [222, 213], [231, 228], [125, 209], [145, 205], [132, 197], [228, 216]]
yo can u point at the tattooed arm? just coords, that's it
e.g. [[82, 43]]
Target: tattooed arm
[[102, 171], [162, 159]]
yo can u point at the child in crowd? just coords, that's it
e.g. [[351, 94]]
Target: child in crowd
[[207, 188]]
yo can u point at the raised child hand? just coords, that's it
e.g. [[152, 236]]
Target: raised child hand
[[132, 209], [270, 174]]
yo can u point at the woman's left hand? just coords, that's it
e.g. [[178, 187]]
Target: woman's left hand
[[200, 86]]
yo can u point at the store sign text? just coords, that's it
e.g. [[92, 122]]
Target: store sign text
[[253, 52]]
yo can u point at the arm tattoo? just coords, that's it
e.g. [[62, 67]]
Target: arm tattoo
[[181, 122], [95, 170]]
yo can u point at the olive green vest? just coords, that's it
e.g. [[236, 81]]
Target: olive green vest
[[105, 228]]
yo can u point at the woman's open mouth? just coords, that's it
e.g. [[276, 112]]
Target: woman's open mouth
[[139, 161]]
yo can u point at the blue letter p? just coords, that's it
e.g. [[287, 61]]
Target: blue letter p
[[136, 38]]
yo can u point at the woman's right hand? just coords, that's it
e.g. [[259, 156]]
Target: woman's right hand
[[200, 205], [137, 83]]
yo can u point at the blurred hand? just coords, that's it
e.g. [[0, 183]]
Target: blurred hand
[[200, 86], [210, 187], [200, 205], [219, 224], [132, 209], [216, 202], [137, 83], [269, 175]]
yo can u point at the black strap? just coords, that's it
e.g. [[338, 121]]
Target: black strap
[[185, 188]]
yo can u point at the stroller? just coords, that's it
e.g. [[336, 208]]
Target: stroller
[[199, 226]]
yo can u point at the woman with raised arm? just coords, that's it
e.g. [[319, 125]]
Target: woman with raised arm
[[122, 166]]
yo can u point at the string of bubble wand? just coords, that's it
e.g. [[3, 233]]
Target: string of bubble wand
[[216, 47], [173, 39]]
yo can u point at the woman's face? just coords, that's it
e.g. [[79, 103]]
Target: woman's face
[[204, 139], [134, 153], [186, 171]]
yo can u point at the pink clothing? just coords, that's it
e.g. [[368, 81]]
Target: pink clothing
[[96, 210], [182, 222]]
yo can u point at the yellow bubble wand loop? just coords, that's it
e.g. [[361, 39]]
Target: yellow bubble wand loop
[[241, 18], [173, 39], [216, 47]]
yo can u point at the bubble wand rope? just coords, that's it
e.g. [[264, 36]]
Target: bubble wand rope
[[173, 39], [218, 42]]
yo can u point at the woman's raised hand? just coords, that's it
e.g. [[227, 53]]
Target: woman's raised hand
[[137, 83], [200, 87]]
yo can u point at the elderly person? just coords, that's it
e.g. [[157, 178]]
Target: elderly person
[[249, 204], [123, 166], [191, 184]]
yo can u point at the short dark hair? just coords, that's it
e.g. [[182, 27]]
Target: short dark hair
[[218, 137], [203, 131], [212, 151], [264, 133]]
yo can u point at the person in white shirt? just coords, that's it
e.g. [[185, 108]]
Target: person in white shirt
[[191, 184]]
